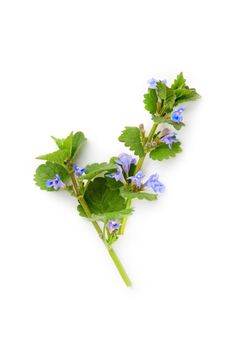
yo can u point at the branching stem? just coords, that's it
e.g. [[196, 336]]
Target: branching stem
[[138, 167], [98, 229]]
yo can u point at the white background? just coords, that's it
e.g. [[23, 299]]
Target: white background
[[83, 65]]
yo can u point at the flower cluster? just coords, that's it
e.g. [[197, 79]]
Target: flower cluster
[[124, 163], [122, 173]]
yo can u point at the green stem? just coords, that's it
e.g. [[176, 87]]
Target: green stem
[[98, 229], [138, 167], [119, 267]]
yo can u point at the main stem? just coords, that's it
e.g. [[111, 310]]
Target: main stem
[[138, 167], [98, 229]]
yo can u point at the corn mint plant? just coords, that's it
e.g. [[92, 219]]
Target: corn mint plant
[[105, 191]]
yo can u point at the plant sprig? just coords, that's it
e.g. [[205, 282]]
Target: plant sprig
[[105, 191]]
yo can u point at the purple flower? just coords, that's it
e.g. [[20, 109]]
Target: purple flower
[[170, 139], [113, 226], [152, 83], [177, 115], [55, 183], [118, 176], [79, 172], [125, 160], [136, 180], [154, 183]]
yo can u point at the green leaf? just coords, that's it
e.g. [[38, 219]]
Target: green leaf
[[57, 157], [102, 199], [158, 119], [185, 95], [65, 144], [164, 152], [68, 148], [126, 193], [150, 101], [48, 171], [97, 169], [169, 101], [162, 90], [179, 82], [132, 139], [78, 140], [167, 95], [115, 215]]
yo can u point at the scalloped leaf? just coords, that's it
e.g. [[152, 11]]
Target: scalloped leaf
[[48, 171], [162, 151], [102, 197], [150, 101], [132, 138]]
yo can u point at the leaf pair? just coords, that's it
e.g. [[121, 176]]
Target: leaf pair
[[68, 149]]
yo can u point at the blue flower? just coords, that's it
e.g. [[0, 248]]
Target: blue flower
[[152, 83], [113, 226], [136, 180], [79, 172], [118, 176], [170, 139], [177, 115], [55, 183], [125, 160], [154, 183]]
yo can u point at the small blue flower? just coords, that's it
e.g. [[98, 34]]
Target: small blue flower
[[136, 180], [154, 183], [113, 226], [125, 160], [118, 176], [152, 83], [55, 183], [79, 172], [177, 115], [170, 139]]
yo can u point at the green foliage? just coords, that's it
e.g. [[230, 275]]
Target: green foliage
[[179, 82], [185, 95], [182, 91], [158, 119], [132, 138], [57, 157], [68, 148], [115, 215], [150, 101], [164, 152], [96, 169], [126, 193], [102, 197], [167, 97], [64, 144], [48, 171], [78, 140]]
